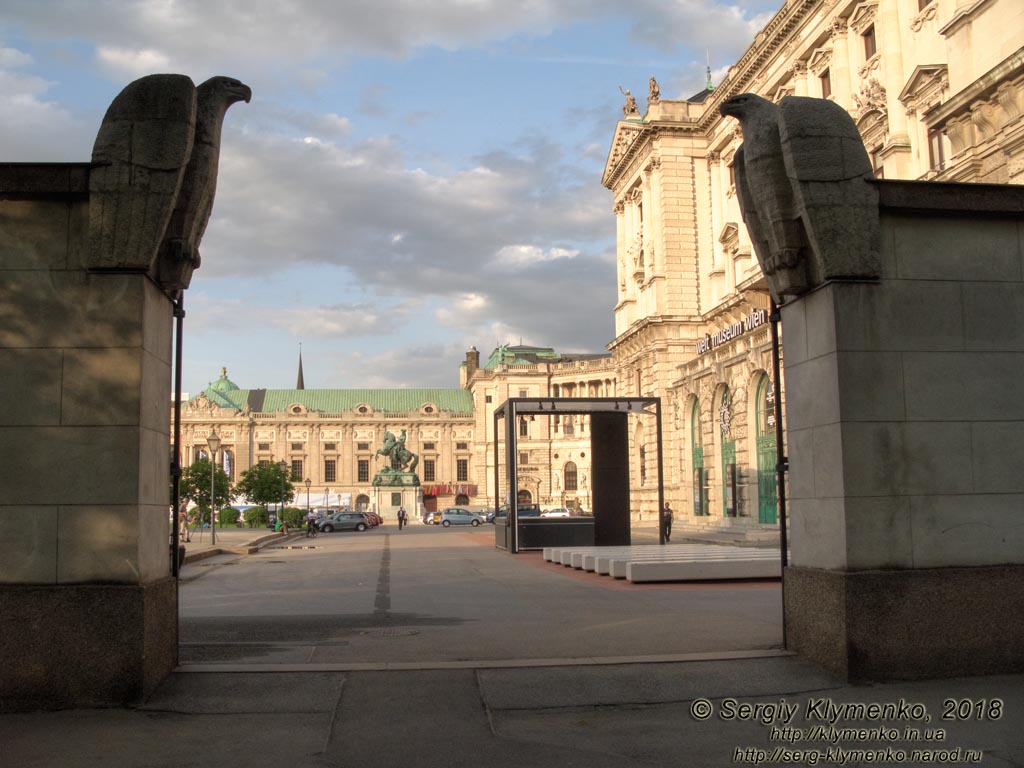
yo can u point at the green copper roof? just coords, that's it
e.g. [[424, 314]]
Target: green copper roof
[[458, 401], [223, 384], [523, 355]]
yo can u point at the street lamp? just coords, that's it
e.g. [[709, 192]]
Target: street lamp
[[308, 483], [280, 510], [213, 441]]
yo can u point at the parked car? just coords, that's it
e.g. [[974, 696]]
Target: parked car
[[344, 521], [432, 518], [372, 518], [459, 516], [557, 512], [524, 510]]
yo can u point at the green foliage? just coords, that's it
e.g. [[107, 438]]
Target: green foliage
[[294, 516], [263, 485], [195, 485], [256, 517], [228, 517]]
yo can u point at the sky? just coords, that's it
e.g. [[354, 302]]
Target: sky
[[411, 178]]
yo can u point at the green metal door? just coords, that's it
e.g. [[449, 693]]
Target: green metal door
[[728, 475], [767, 478], [700, 502]]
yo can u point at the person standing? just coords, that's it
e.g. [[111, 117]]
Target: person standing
[[666, 517], [401, 518]]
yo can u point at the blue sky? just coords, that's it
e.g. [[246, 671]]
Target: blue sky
[[412, 177]]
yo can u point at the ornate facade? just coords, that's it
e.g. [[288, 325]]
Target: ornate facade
[[936, 88], [332, 436]]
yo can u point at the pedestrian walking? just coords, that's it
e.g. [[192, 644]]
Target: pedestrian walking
[[666, 517], [183, 530], [402, 518]]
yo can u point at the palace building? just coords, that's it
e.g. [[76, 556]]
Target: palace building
[[936, 88]]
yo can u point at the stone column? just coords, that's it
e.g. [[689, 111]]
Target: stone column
[[905, 411], [87, 604]]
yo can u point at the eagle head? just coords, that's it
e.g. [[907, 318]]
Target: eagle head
[[743, 106], [225, 90]]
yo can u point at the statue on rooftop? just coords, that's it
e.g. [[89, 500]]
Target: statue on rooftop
[[629, 109], [654, 91]]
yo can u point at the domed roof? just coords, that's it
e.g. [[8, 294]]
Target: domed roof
[[223, 384]]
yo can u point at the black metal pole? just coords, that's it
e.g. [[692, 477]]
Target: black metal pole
[[179, 318], [497, 476], [661, 474], [781, 462]]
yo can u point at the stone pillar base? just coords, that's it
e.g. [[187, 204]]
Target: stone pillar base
[[909, 624], [85, 645]]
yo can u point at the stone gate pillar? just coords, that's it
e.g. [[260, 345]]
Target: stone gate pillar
[[90, 256], [905, 418], [87, 603]]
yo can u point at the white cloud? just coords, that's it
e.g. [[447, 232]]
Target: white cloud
[[130, 63], [512, 256]]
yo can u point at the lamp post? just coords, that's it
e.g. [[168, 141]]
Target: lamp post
[[213, 441], [280, 510], [308, 483]]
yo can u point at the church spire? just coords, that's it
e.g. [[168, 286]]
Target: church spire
[[300, 384]]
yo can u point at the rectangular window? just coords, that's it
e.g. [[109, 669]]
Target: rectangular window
[[487, 398], [524, 428], [296, 446], [876, 163], [330, 446], [429, 447], [428, 471], [461, 470], [826, 84], [263, 446], [870, 47], [936, 152], [363, 472], [330, 470], [462, 446], [264, 462], [362, 446], [522, 393], [524, 457], [296, 469]]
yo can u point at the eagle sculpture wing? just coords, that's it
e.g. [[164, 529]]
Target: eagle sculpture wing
[[139, 159], [748, 209], [829, 172], [179, 254]]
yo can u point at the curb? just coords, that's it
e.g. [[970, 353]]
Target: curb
[[251, 548]]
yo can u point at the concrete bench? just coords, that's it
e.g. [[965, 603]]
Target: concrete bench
[[642, 571]]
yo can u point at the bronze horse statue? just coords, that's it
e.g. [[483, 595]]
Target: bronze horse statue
[[402, 459]]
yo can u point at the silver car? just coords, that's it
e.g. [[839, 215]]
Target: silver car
[[459, 516]]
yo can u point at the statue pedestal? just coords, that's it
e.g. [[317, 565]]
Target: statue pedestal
[[393, 489]]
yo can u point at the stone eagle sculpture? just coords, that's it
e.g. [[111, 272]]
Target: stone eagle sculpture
[[154, 175], [802, 179]]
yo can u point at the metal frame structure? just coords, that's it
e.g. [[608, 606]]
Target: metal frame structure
[[514, 407]]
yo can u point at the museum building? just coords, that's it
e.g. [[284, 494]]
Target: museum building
[[936, 89]]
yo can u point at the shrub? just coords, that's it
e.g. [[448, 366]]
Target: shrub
[[256, 517], [294, 516], [228, 517]]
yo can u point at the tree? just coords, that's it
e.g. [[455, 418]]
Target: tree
[[195, 485], [263, 485]]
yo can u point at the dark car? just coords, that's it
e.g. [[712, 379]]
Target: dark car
[[344, 521], [524, 510]]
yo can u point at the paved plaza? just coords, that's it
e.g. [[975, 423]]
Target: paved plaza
[[431, 648]]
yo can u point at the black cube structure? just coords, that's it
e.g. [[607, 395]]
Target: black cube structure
[[609, 447]]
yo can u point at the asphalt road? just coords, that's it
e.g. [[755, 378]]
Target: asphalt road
[[432, 594]]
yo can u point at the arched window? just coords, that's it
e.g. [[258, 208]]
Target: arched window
[[362, 502], [462, 499], [524, 497], [571, 482], [700, 499]]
